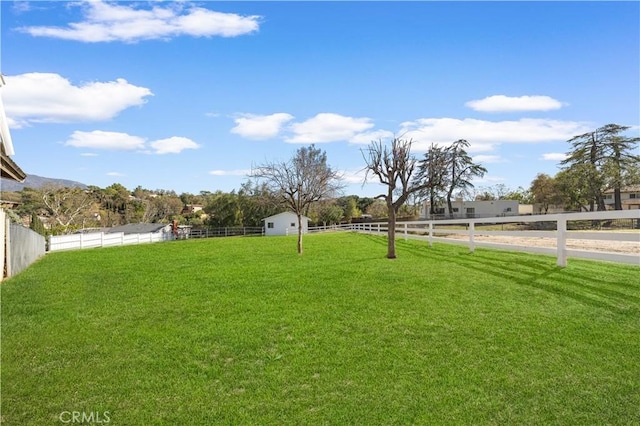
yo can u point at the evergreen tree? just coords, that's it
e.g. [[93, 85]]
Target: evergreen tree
[[36, 224], [604, 160]]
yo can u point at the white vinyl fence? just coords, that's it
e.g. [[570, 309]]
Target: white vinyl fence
[[101, 239], [436, 230]]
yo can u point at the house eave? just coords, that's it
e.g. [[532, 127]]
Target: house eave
[[10, 170]]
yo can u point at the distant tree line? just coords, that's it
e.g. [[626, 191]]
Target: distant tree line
[[55, 209], [596, 162]]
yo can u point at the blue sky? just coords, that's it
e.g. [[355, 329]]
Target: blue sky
[[188, 96]]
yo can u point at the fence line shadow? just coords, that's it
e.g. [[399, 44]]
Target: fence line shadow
[[527, 270]]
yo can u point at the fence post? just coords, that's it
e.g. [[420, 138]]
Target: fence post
[[3, 236], [430, 234], [472, 242], [81, 240], [7, 250], [405, 232], [562, 241]]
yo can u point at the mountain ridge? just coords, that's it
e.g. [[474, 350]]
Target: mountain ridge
[[37, 182]]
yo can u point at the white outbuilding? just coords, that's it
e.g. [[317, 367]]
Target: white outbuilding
[[285, 223]]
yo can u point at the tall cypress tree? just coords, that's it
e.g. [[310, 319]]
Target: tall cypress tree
[[36, 224]]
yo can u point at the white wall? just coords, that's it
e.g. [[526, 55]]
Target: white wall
[[490, 208], [284, 224], [479, 208], [628, 203]]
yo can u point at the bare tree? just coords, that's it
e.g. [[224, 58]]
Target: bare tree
[[300, 181], [394, 166], [65, 204]]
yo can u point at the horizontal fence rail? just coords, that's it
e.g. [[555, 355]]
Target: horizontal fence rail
[[231, 231], [557, 227]]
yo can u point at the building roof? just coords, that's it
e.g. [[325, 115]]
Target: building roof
[[137, 228], [282, 214], [624, 190], [9, 169]]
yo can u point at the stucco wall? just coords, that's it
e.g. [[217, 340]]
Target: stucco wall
[[284, 224]]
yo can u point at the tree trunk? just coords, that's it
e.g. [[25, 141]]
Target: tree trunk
[[617, 198], [391, 233], [449, 205], [432, 202], [299, 234]]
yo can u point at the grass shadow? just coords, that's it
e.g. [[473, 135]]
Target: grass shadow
[[532, 271]]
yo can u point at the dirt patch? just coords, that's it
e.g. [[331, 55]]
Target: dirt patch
[[629, 247]]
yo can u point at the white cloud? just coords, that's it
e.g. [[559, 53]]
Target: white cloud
[[116, 141], [51, 98], [173, 145], [502, 103], [489, 179], [20, 6], [328, 127], [367, 137], [253, 126], [487, 159], [107, 21], [554, 156], [99, 139], [115, 174], [200, 22], [485, 135], [88, 154], [230, 172], [324, 127], [354, 176]]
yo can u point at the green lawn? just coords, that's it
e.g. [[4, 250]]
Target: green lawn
[[245, 331]]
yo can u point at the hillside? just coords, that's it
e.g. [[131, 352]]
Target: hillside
[[35, 181]]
